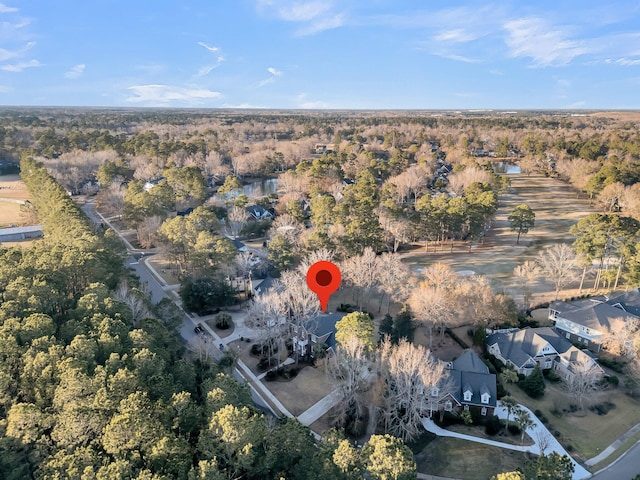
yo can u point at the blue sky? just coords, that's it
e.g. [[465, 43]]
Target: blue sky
[[337, 54]]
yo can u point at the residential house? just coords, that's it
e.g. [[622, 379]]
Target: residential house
[[628, 301], [526, 349], [587, 321], [472, 385], [258, 212], [323, 332]]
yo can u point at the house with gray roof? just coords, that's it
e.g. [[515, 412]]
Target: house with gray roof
[[526, 349], [588, 321], [322, 332], [628, 301], [472, 385]]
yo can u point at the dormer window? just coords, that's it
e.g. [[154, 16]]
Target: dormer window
[[467, 395], [484, 398], [435, 391]]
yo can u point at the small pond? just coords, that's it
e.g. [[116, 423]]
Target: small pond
[[506, 168]]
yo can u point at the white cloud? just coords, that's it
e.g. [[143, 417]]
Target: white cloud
[[244, 105], [206, 69], [274, 74], [208, 47], [628, 61], [152, 68], [316, 16], [75, 71], [322, 24], [547, 45], [18, 67], [457, 35], [301, 101], [155, 94], [6, 54], [5, 9]]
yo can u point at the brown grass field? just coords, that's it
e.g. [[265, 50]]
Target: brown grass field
[[557, 207], [12, 188]]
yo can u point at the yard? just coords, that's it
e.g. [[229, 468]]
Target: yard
[[461, 459], [584, 434]]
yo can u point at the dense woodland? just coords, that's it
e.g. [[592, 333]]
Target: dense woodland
[[95, 382]]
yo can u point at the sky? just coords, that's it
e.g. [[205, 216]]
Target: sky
[[321, 54]]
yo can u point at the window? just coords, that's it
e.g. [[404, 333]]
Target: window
[[484, 398], [547, 364], [466, 408], [435, 391], [448, 406], [483, 411], [467, 395], [568, 335]]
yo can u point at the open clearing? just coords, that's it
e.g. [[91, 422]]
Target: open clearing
[[11, 188], [557, 207]]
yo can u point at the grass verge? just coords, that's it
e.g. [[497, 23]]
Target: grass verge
[[617, 454]]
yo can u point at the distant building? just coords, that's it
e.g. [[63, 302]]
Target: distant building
[[16, 234]]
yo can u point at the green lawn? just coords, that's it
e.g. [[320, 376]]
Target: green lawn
[[455, 458], [584, 434]]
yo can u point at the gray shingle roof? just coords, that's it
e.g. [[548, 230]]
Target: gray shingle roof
[[629, 301], [470, 373], [470, 362], [601, 316]]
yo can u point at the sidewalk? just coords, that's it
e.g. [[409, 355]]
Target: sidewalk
[[314, 412], [614, 446]]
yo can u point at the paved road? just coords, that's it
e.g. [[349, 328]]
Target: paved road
[[625, 468], [154, 287]]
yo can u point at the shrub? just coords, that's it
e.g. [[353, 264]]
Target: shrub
[[223, 321], [493, 425], [602, 408], [613, 380], [533, 385], [227, 360], [611, 363], [541, 416], [270, 376], [551, 375], [514, 429]]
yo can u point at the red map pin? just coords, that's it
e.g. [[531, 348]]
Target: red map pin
[[324, 278]]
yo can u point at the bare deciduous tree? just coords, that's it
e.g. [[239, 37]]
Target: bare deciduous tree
[[135, 300], [525, 275], [415, 381], [395, 279], [583, 380], [267, 314], [236, 220], [350, 370], [622, 337], [611, 197], [560, 264], [147, 230], [362, 272], [459, 181]]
